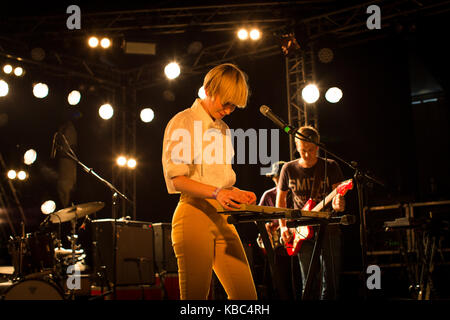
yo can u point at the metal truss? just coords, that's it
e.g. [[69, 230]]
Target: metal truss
[[161, 19], [124, 143], [348, 24], [299, 71]]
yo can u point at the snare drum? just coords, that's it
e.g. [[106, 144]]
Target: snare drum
[[35, 289]]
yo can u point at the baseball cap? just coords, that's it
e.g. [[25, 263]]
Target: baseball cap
[[276, 169]]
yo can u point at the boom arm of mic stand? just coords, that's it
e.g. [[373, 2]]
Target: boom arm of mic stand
[[72, 155]]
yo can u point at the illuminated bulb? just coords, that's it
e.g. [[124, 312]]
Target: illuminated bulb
[[147, 115], [18, 71], [93, 42], [255, 34], [48, 207], [105, 43], [172, 70], [40, 90], [106, 111], [7, 69], [242, 34], [333, 95], [22, 175], [310, 93], [30, 157], [131, 163], [74, 97], [4, 88], [121, 161], [12, 174], [201, 93]]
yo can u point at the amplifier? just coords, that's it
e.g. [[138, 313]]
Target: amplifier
[[164, 255], [134, 251]]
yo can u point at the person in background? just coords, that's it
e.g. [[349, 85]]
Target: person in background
[[304, 178]]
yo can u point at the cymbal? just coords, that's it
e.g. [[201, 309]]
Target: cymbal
[[76, 212]]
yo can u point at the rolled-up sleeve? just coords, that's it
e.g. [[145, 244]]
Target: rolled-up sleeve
[[177, 153], [187, 149]]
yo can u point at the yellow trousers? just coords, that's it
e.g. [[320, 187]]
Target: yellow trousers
[[203, 241]]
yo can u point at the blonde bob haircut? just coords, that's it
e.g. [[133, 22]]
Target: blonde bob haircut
[[228, 82]]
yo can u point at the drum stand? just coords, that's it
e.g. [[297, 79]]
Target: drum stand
[[73, 245], [115, 196], [21, 250]]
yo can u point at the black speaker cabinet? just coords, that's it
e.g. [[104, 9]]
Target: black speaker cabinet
[[164, 255], [134, 251]]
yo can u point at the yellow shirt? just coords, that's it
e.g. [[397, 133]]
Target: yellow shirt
[[199, 148]]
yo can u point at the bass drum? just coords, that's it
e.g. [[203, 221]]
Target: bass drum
[[35, 289]]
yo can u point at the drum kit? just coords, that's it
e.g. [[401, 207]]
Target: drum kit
[[41, 264]]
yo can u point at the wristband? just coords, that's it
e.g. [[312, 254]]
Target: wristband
[[216, 192]]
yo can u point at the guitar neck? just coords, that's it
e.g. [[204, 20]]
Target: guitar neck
[[323, 203]]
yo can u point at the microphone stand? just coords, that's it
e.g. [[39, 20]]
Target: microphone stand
[[116, 193], [361, 179]]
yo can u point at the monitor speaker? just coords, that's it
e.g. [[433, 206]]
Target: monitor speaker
[[164, 255], [134, 251]]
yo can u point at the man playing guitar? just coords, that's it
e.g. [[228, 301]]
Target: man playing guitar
[[309, 178]]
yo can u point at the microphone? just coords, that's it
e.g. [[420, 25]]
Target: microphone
[[54, 145], [267, 112]]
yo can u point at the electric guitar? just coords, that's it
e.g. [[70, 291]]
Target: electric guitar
[[303, 233]]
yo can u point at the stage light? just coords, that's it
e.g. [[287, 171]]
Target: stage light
[[40, 90], [333, 95], [310, 93], [4, 88], [106, 111], [74, 97], [93, 42], [201, 93], [326, 55], [131, 163], [105, 43], [255, 34], [18, 71], [22, 175], [121, 161], [172, 70], [48, 207], [147, 115], [30, 157], [7, 68], [242, 34], [12, 174]]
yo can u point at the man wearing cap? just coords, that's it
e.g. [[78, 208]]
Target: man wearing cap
[[269, 197]]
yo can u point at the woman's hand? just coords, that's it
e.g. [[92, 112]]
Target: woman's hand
[[232, 198]]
